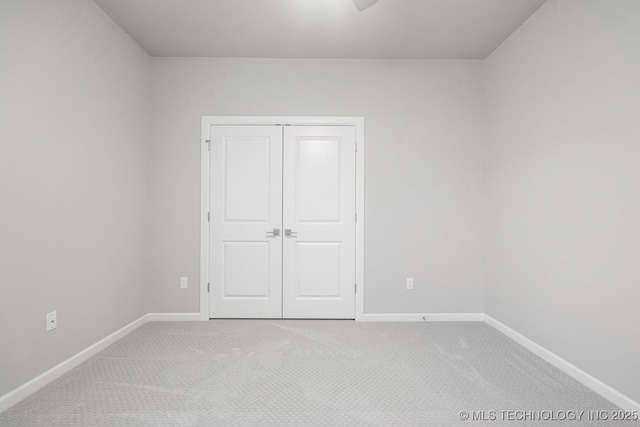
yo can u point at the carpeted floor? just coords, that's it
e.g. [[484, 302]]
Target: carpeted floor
[[308, 372]]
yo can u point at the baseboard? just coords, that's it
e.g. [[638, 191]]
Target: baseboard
[[573, 371], [421, 317], [174, 317], [62, 368]]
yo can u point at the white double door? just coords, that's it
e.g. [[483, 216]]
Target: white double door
[[282, 232]]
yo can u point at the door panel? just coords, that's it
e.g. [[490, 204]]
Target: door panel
[[247, 186], [246, 204], [318, 178], [319, 209], [318, 270], [239, 281]]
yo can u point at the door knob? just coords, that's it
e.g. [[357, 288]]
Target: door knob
[[274, 233], [290, 233]]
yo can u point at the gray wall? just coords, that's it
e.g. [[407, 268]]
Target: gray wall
[[563, 137], [423, 167], [73, 190]]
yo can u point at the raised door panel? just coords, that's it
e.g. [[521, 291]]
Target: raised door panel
[[242, 282], [247, 186], [317, 270], [318, 180]]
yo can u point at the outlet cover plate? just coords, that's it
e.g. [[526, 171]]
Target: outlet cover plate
[[410, 283], [52, 321]]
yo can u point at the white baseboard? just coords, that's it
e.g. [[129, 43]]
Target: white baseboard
[[421, 317], [573, 371], [174, 317], [62, 368]]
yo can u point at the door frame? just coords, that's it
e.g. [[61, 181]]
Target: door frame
[[207, 121]]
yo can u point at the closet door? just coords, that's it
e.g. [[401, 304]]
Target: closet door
[[319, 222], [246, 218]]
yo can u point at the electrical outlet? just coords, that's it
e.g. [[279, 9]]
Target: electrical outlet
[[184, 282], [52, 321], [409, 282]]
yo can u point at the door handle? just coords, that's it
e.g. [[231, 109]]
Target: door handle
[[274, 233], [290, 233]]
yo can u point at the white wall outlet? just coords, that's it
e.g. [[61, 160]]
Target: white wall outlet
[[409, 282], [52, 321], [184, 282]]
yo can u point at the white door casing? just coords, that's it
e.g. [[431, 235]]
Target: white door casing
[[317, 249], [319, 210], [246, 208]]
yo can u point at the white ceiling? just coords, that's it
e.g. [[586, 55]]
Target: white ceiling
[[430, 29]]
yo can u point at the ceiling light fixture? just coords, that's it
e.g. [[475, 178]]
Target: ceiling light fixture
[[364, 4]]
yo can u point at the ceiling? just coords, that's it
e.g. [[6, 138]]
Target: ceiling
[[400, 29]]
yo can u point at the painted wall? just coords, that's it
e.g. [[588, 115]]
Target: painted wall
[[73, 189], [563, 185], [424, 135]]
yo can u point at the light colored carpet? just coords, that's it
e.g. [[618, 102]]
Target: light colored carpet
[[302, 373]]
